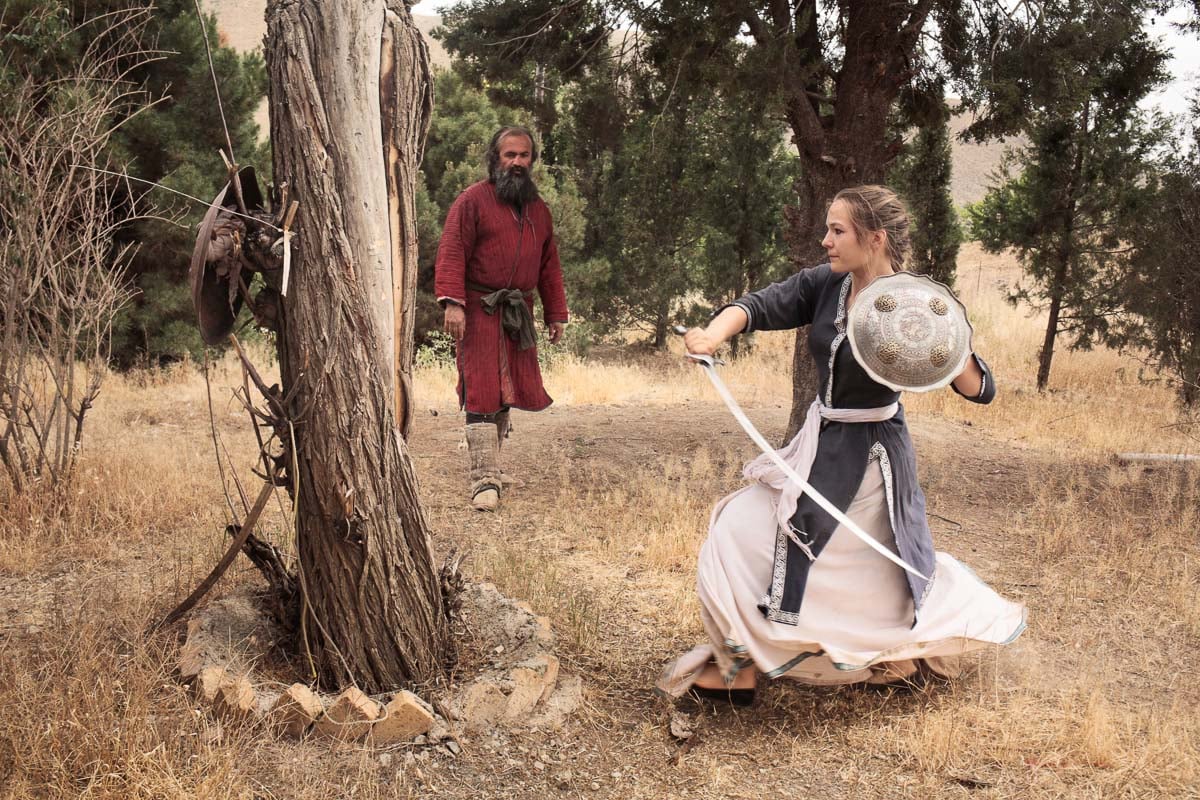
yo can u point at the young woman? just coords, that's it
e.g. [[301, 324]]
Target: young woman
[[784, 590]]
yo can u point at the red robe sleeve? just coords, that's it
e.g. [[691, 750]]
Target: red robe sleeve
[[550, 282], [454, 252]]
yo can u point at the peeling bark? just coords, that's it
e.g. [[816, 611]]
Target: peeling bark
[[350, 100]]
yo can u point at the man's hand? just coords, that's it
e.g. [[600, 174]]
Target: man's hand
[[555, 331], [456, 321]]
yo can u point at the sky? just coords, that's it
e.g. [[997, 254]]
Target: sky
[[1184, 67]]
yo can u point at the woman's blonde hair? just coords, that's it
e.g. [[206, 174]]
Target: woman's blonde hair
[[877, 208]]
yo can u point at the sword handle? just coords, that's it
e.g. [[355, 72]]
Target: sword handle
[[680, 330]]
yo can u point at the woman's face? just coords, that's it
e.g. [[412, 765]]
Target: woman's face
[[846, 253]]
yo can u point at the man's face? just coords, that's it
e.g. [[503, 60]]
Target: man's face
[[516, 154]]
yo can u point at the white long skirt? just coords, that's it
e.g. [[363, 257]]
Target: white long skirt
[[856, 617]]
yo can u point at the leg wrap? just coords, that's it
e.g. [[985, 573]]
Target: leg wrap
[[483, 448], [502, 426]]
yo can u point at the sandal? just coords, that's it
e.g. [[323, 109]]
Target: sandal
[[742, 698]]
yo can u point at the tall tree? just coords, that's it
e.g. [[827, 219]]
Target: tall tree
[[523, 52], [839, 72], [922, 177], [350, 100], [655, 237], [742, 176], [1163, 293], [1071, 83]]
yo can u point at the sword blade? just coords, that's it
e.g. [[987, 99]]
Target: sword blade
[[711, 371]]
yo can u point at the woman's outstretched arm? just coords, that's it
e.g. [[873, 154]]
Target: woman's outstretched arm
[[705, 341]]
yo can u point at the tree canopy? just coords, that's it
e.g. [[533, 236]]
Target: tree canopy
[[1071, 83], [174, 141]]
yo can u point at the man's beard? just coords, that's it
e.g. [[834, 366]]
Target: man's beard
[[514, 185]]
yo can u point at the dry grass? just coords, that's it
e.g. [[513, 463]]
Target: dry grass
[[1079, 413], [1074, 744], [1097, 700]]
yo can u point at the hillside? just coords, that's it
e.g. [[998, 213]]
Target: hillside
[[242, 25]]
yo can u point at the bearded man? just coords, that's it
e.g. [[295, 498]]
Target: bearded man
[[497, 247]]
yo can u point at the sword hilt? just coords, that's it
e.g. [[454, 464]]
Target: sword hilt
[[680, 330]]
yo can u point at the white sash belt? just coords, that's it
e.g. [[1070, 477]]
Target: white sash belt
[[800, 452]]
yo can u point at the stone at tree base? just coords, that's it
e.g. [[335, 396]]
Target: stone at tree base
[[546, 666], [235, 699], [404, 718], [482, 705], [295, 711], [192, 656], [208, 682], [526, 691], [525, 606], [543, 633], [349, 717], [192, 659], [563, 701], [522, 686], [439, 731]]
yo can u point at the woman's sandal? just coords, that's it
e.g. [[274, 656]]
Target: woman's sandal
[[736, 697]]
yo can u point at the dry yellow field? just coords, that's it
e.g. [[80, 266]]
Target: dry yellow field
[[1098, 699]]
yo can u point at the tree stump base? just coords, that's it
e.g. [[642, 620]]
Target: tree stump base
[[510, 679]]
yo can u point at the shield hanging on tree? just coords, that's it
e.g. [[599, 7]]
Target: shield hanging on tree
[[216, 267]]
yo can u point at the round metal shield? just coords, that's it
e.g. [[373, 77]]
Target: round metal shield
[[909, 332]]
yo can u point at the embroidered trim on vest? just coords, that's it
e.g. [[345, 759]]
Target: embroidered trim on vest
[[880, 453], [919, 604], [839, 322], [775, 613]]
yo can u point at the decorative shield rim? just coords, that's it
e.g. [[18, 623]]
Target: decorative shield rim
[[213, 315], [865, 300]]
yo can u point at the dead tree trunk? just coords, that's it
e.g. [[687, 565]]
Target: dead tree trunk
[[350, 98]]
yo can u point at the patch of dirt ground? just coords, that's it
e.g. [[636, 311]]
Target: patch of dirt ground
[[620, 612]]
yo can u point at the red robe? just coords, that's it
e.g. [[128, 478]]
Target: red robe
[[490, 243]]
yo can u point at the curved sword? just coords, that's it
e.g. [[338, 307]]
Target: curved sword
[[709, 363]]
